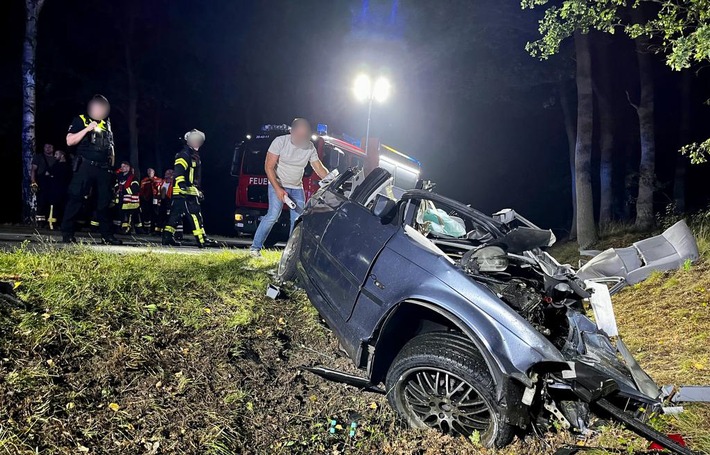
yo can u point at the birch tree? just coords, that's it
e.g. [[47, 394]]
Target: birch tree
[[29, 100]]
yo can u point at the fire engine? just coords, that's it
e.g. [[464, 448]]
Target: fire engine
[[335, 152]]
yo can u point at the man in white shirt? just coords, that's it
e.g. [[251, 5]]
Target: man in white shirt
[[286, 160]]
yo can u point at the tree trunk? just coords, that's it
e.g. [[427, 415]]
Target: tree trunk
[[606, 140], [645, 109], [586, 229], [132, 105], [568, 112], [630, 176], [685, 137], [29, 101]]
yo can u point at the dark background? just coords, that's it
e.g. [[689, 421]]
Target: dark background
[[481, 115]]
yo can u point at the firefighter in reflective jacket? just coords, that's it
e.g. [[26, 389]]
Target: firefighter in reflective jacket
[[129, 199], [186, 195]]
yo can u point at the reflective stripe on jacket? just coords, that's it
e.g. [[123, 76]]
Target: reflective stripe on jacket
[[186, 172], [130, 193]]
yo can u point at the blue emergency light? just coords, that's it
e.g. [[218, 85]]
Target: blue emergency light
[[351, 140], [322, 129]]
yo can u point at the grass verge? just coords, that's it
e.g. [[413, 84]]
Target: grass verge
[[183, 354]]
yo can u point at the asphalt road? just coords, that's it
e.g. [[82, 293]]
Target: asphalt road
[[12, 237]]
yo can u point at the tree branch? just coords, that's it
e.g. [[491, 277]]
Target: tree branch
[[628, 97]]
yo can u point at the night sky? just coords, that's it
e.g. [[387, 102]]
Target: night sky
[[481, 115]]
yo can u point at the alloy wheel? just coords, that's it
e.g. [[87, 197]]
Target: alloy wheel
[[442, 400]]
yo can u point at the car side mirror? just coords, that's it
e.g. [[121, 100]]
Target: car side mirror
[[383, 207]]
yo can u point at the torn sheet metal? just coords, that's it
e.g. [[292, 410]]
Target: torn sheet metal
[[603, 309], [641, 378]]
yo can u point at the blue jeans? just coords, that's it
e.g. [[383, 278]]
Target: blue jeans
[[272, 216]]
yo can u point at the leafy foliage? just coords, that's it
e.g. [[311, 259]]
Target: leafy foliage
[[698, 152], [683, 26], [560, 22]]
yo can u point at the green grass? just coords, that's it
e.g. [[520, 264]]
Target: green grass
[[109, 317], [168, 353], [86, 293]]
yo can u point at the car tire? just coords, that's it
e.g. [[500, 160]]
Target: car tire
[[286, 270], [417, 389]]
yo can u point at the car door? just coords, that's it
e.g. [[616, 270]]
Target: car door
[[321, 209], [351, 242]]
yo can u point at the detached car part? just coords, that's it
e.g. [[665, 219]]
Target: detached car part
[[634, 264]]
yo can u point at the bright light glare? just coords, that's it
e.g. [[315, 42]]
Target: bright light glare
[[382, 90], [314, 138], [248, 137], [363, 87], [399, 165]]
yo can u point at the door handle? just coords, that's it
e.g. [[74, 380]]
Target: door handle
[[376, 282]]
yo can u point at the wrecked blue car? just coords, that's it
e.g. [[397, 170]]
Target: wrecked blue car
[[462, 319]]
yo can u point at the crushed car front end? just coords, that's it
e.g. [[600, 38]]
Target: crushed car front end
[[452, 296]]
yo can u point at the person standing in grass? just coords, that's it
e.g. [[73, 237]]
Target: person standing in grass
[[286, 161]]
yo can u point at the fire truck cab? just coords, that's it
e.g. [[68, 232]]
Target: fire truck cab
[[252, 194]]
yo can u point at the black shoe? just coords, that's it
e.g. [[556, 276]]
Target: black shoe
[[69, 238], [169, 240], [212, 243], [111, 240]]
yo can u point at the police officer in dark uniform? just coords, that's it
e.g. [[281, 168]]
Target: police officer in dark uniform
[[92, 136]]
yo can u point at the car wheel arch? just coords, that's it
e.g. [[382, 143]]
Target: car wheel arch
[[390, 340]]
